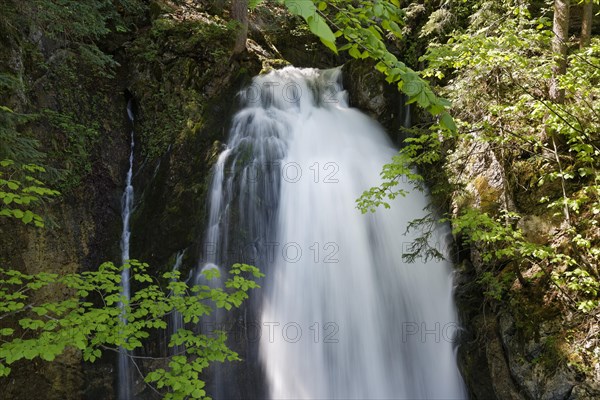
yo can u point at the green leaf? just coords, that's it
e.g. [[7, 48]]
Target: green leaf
[[422, 99], [318, 26], [6, 331], [354, 52], [447, 122], [412, 87], [4, 370], [303, 8], [48, 356], [86, 325], [330, 45], [27, 217]]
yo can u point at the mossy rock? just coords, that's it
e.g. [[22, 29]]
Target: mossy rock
[[488, 196]]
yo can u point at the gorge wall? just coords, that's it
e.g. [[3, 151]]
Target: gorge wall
[[176, 67]]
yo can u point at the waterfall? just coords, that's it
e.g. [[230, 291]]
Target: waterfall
[[243, 201], [341, 315], [125, 378]]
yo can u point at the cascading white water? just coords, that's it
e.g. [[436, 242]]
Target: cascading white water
[[243, 201], [355, 321], [125, 379], [342, 316]]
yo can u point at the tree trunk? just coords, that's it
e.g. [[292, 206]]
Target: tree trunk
[[586, 23], [239, 12], [559, 47]]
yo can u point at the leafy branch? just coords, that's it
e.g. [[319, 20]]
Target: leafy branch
[[90, 319]]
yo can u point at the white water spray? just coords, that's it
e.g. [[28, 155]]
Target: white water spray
[[125, 378], [343, 317], [356, 321]]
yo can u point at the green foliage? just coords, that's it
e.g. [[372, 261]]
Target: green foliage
[[497, 74], [91, 318], [366, 27], [70, 147], [174, 104], [72, 33], [316, 23], [495, 287], [422, 150], [392, 175], [79, 25], [20, 190], [581, 281], [13, 144]]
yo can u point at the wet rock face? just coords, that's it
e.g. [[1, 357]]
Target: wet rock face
[[513, 347], [367, 88], [585, 391], [82, 224], [537, 369], [498, 362], [537, 380], [372, 94], [481, 353], [185, 91]]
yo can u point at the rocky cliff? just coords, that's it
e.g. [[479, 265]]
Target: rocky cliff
[[175, 66]]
